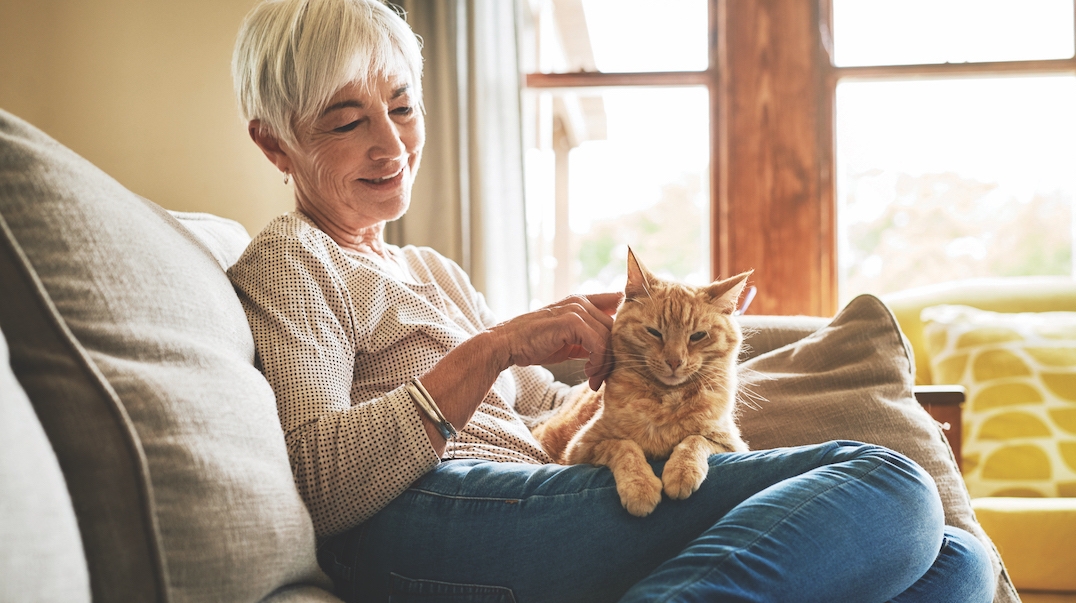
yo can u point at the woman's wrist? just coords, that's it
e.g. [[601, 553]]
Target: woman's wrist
[[493, 348], [430, 409], [461, 380]]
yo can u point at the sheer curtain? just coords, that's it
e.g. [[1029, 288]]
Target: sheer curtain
[[467, 202]]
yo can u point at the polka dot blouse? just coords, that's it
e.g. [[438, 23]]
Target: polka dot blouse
[[338, 335]]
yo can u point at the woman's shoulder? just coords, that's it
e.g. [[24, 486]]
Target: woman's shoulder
[[290, 227], [290, 235], [288, 243]]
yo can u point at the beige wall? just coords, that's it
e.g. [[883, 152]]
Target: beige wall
[[142, 88]]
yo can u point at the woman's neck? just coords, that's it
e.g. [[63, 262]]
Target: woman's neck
[[368, 240]]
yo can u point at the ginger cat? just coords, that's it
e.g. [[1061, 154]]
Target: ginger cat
[[671, 395]]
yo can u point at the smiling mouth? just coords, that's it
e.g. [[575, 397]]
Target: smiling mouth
[[385, 179]]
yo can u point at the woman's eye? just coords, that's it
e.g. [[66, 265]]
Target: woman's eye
[[347, 127], [654, 332], [698, 336], [404, 110]]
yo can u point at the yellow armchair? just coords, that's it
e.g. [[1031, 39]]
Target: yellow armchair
[[1035, 536]]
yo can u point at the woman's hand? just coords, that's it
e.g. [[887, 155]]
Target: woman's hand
[[575, 327]]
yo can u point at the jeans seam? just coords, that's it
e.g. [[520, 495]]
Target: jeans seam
[[511, 500], [703, 574], [458, 497], [474, 587]]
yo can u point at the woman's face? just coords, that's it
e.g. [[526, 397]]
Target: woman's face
[[356, 162]]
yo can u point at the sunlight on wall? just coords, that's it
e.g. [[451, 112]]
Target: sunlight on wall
[[143, 90]]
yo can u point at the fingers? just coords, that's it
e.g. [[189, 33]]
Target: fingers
[[552, 335], [575, 327], [601, 306], [595, 319], [597, 372], [568, 352], [606, 302], [592, 335], [599, 365]]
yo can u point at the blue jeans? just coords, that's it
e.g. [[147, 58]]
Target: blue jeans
[[833, 522]]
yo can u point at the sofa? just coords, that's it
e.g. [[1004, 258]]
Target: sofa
[[140, 454], [1011, 344]]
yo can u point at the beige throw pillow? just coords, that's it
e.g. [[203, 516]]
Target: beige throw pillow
[[852, 380]]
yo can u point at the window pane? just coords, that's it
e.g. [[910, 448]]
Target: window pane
[[620, 35], [910, 32], [948, 179], [612, 168]]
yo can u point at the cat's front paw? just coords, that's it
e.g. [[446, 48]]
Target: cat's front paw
[[682, 479], [640, 494]]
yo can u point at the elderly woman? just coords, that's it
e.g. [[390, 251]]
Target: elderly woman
[[405, 404]]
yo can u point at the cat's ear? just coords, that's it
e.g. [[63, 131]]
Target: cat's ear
[[639, 279], [725, 294]]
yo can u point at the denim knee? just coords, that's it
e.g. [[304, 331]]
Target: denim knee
[[961, 573], [906, 483], [974, 578]]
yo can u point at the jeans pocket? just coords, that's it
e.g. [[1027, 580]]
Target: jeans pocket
[[410, 590]]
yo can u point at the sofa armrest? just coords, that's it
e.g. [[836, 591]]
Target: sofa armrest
[[944, 403]]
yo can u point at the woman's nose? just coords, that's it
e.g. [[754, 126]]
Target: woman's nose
[[386, 140]]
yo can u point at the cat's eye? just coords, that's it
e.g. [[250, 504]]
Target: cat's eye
[[698, 336], [654, 332]]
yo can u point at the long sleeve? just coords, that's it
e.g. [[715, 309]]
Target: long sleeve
[[349, 460], [338, 336]]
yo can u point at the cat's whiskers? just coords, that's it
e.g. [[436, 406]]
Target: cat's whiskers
[[713, 386], [631, 363], [717, 381], [747, 396], [750, 399], [746, 351]]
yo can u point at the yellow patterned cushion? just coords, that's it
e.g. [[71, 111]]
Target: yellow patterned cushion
[[1020, 375]]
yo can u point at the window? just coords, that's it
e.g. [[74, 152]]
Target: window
[[968, 172], [853, 146], [617, 143]]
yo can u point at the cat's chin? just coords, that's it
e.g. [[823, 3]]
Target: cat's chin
[[672, 380]]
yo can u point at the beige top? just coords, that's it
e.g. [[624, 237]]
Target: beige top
[[338, 335]]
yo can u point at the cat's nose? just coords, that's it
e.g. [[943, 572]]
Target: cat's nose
[[674, 363]]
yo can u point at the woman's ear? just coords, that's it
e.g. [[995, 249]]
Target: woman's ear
[[273, 148]]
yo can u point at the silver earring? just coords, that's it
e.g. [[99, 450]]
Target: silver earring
[[287, 177]]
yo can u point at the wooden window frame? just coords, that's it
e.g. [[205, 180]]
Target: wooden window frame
[[772, 85]]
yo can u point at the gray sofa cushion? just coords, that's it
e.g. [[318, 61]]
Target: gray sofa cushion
[[762, 334], [165, 388], [852, 379], [225, 239], [41, 556]]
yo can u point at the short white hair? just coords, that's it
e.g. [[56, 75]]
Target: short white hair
[[292, 56]]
